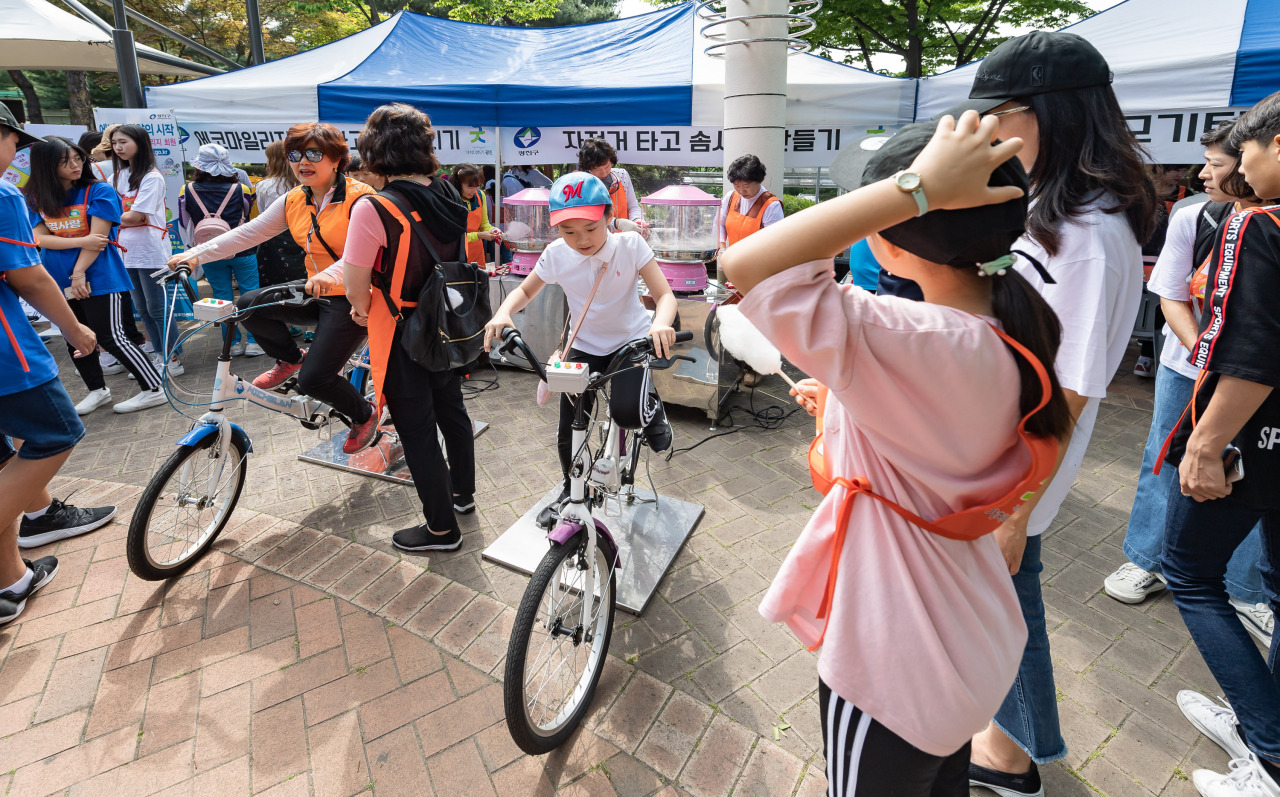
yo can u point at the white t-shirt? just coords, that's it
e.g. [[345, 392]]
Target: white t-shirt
[[1169, 281], [145, 247], [268, 190], [616, 315], [1098, 271], [771, 215]]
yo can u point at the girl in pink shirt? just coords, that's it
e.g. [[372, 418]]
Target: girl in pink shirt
[[921, 634]]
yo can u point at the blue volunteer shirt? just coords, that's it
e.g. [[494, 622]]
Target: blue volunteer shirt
[[24, 360], [107, 274]]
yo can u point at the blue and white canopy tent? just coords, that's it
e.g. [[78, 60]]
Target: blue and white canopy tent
[[1180, 67]]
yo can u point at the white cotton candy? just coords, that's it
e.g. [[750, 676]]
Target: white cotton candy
[[741, 339], [516, 231], [455, 298]]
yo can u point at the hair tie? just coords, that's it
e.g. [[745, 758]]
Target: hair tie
[[995, 267]]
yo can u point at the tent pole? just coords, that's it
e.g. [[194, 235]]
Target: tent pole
[[497, 179], [256, 54], [126, 59], [178, 37]]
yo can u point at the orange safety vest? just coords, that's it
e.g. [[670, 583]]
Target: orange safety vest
[[967, 524], [736, 225], [75, 221], [128, 200], [475, 222], [618, 194], [323, 236]]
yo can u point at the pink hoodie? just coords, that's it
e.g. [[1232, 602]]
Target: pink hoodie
[[925, 633]]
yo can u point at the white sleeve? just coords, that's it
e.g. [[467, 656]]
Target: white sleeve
[[268, 225], [1080, 298], [1176, 261], [772, 214], [545, 267], [724, 216], [634, 211], [150, 199]]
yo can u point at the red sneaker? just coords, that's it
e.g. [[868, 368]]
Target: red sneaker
[[362, 435], [278, 373]]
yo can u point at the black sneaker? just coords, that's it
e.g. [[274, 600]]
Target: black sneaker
[[12, 603], [1006, 785], [421, 538], [464, 504], [60, 522], [550, 513]]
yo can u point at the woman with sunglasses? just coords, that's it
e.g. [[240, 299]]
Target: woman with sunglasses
[[316, 214]]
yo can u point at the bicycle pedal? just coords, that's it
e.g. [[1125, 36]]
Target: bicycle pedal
[[287, 386]]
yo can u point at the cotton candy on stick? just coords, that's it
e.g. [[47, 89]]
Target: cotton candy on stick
[[741, 339]]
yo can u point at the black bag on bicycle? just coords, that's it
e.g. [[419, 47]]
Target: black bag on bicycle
[[446, 329]]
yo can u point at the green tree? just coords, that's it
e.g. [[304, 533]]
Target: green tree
[[927, 36]]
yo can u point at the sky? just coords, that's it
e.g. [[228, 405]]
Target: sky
[[630, 8]]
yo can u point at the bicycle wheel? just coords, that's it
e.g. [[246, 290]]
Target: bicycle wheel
[[553, 663], [184, 508]]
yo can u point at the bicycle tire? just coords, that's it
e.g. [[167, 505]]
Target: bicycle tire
[[141, 562], [527, 736]]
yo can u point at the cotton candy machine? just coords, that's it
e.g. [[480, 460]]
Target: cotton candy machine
[[683, 234], [526, 226]]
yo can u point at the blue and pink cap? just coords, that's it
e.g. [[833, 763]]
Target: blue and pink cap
[[578, 195]]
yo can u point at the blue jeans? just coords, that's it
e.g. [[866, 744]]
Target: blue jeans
[[220, 272], [152, 303], [1144, 539], [1029, 715], [43, 417], [1201, 538]]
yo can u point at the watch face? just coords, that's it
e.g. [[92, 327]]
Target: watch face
[[908, 181]]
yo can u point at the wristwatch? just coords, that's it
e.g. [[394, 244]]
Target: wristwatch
[[909, 183]]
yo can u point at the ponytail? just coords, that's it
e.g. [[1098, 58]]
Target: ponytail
[[1028, 319]]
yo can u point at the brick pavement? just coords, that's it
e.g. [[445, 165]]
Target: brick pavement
[[304, 656]]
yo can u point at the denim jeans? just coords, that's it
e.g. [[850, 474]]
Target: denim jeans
[[1201, 537], [152, 303], [220, 272], [1029, 715], [1144, 539]]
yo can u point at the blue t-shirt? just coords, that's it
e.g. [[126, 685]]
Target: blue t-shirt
[[863, 266], [107, 274], [24, 360]]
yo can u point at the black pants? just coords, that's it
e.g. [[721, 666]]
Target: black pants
[[597, 363], [337, 338], [105, 315], [420, 401], [866, 759], [280, 260]]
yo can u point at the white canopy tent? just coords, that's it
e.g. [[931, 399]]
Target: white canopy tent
[[37, 35]]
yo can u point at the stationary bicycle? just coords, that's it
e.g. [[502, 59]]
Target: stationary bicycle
[[565, 620]]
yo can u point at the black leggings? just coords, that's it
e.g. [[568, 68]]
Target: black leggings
[[105, 315], [337, 338], [420, 401], [866, 759]]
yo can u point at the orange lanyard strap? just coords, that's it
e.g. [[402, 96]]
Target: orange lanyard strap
[[19, 243]]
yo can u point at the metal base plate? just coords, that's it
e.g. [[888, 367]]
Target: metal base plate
[[382, 461], [649, 536]]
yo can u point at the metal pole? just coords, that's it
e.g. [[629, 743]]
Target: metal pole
[[173, 34], [156, 57], [126, 59], [497, 178], [256, 54]]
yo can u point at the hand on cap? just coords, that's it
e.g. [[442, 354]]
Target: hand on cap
[[955, 166]]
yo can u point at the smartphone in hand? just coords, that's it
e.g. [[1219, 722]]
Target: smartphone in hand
[[1233, 462]]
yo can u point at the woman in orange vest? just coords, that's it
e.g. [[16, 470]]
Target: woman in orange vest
[[749, 208], [316, 213], [386, 263], [598, 157], [468, 178]]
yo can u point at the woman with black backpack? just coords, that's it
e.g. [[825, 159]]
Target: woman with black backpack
[[213, 203]]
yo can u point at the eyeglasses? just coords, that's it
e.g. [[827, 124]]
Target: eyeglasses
[[1008, 111], [313, 155]]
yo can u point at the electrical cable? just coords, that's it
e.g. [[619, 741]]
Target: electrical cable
[[768, 418]]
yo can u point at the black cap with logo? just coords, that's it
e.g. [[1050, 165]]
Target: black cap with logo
[[8, 120], [1037, 63]]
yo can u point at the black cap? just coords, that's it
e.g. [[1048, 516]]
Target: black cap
[[7, 119], [962, 238], [1037, 63]]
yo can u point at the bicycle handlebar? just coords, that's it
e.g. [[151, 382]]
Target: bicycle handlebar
[[643, 347]]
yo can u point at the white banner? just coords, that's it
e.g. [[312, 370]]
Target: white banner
[[168, 148], [1174, 136], [247, 143]]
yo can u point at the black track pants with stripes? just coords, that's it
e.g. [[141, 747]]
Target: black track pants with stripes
[[104, 314], [866, 759]]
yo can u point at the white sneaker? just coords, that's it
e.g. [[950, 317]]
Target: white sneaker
[[1217, 722], [176, 367], [110, 365], [238, 349], [155, 363], [148, 348], [253, 350], [94, 400], [144, 400], [1257, 620], [1132, 584], [1246, 779]]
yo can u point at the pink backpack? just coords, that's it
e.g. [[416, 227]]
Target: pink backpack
[[212, 225]]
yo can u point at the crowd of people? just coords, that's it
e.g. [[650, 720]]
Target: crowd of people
[[956, 403]]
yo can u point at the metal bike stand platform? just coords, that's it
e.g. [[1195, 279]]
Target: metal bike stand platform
[[649, 535], [382, 461]]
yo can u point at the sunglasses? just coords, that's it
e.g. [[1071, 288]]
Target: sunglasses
[[313, 155]]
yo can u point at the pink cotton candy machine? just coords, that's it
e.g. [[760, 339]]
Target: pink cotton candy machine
[[526, 225], [682, 234]]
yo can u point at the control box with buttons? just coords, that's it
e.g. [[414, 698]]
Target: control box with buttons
[[567, 377], [212, 309]]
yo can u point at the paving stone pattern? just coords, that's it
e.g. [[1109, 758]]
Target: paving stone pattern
[[304, 656]]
